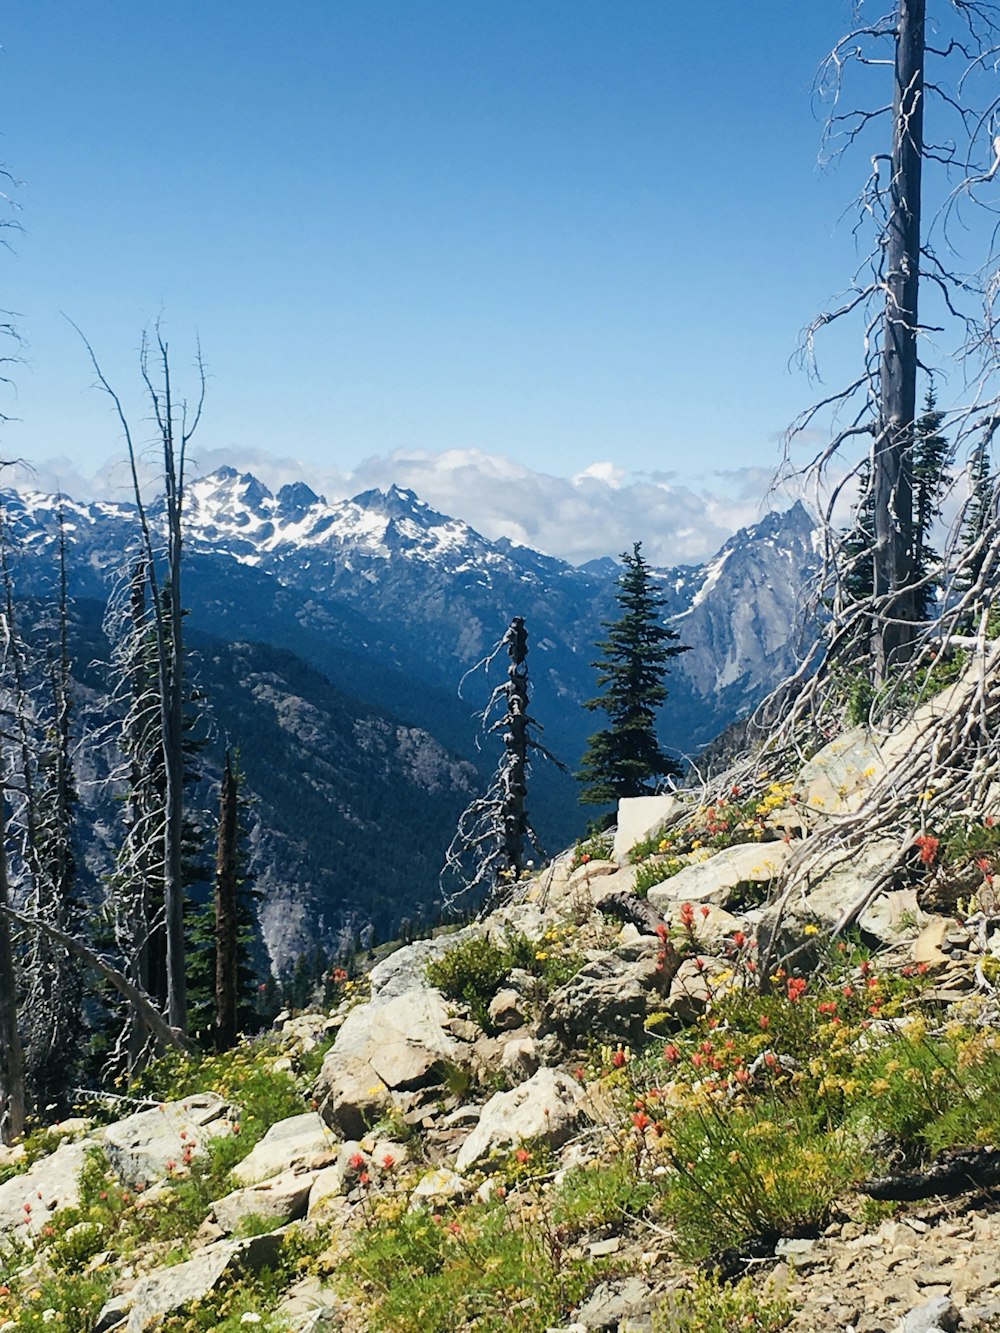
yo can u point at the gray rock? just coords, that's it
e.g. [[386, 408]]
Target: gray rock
[[140, 1146], [934, 1316], [519, 1058], [838, 777], [165, 1290], [351, 1095], [611, 1302], [605, 1001], [287, 1144], [406, 969], [403, 1037], [639, 817], [279, 1199], [438, 1186], [715, 881], [507, 1010], [693, 987], [52, 1182], [545, 1107]]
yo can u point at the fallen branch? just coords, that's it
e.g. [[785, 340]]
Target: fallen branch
[[964, 1170], [137, 998]]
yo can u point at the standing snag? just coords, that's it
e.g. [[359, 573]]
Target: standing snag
[[930, 138], [490, 846]]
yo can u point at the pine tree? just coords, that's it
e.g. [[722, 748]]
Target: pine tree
[[856, 558], [625, 758], [222, 980], [980, 512], [930, 480]]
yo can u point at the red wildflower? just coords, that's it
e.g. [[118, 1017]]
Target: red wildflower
[[523, 1155], [705, 910], [388, 1162], [796, 988], [641, 1120], [618, 1059], [357, 1161], [671, 1053], [928, 847], [764, 1021]]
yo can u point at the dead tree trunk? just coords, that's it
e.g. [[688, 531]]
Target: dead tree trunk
[[226, 922], [515, 740], [893, 630], [11, 1053]]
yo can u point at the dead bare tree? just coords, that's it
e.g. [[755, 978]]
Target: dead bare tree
[[942, 151], [489, 850], [175, 426], [226, 916]]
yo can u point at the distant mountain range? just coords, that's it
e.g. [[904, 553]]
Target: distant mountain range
[[330, 640]]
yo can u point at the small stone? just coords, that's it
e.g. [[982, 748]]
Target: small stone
[[601, 1248], [938, 1315]]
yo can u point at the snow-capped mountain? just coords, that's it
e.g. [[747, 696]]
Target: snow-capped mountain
[[409, 589], [320, 626]]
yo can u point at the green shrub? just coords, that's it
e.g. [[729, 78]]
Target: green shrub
[[472, 972], [769, 1168], [711, 1306], [597, 847], [480, 1267], [655, 871], [602, 1193], [476, 969]]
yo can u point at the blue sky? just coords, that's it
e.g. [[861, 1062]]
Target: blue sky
[[567, 234]]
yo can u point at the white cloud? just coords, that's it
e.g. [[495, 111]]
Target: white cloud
[[600, 511]]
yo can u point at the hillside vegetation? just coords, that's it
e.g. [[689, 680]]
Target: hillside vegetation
[[589, 1110]]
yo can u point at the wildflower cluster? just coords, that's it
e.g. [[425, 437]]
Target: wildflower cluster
[[709, 829]]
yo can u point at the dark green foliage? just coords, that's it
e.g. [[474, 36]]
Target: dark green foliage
[[626, 758], [201, 950], [857, 542], [978, 515], [930, 481]]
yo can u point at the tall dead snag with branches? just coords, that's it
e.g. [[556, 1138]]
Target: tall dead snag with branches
[[489, 850], [54, 986], [11, 1051], [943, 151], [175, 427], [226, 916], [886, 630]]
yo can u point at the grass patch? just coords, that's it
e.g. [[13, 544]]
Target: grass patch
[[490, 1267]]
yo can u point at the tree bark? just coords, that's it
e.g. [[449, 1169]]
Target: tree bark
[[140, 1002], [515, 739], [11, 1052], [893, 630], [226, 924]]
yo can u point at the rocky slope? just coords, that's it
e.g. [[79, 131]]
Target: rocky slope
[[593, 1092]]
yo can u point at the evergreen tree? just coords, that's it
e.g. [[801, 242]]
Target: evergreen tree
[[856, 558], [930, 480], [624, 758], [980, 512], [222, 979]]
